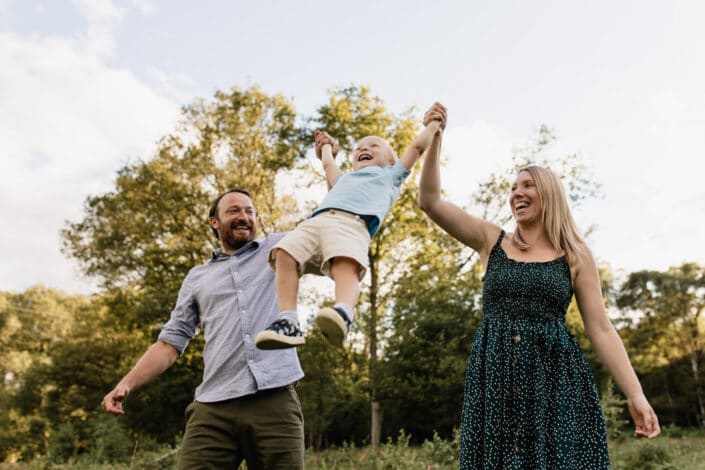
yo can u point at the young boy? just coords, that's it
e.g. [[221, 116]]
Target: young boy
[[338, 234]]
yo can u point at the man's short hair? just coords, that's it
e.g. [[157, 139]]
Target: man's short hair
[[214, 208]]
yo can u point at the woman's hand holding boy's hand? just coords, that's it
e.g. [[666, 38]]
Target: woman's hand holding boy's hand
[[437, 112]]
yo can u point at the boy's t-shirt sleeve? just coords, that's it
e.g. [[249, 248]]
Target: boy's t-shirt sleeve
[[399, 173]]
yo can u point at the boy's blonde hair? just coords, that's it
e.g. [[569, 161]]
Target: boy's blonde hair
[[562, 231], [393, 157], [390, 151]]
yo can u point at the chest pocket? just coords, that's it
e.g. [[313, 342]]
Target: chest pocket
[[257, 273]]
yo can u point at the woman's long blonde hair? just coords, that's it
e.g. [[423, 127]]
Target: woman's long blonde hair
[[562, 232]]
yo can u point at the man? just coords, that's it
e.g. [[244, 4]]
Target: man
[[246, 406]]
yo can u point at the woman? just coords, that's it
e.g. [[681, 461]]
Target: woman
[[530, 399]]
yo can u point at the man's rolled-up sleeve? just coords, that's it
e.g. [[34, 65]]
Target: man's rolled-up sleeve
[[184, 319]]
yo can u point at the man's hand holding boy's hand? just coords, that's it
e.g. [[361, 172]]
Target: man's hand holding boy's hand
[[322, 138], [437, 112]]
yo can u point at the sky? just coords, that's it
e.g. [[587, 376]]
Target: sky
[[87, 86]]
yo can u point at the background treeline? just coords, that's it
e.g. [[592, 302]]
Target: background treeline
[[404, 370]]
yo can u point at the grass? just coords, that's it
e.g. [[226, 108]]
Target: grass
[[675, 449], [685, 450]]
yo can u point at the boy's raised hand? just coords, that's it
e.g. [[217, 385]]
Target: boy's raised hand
[[437, 112], [322, 138]]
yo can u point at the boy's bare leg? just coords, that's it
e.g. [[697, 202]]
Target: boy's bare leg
[[284, 332], [287, 280], [335, 322], [346, 274]]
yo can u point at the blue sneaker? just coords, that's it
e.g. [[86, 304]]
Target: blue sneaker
[[281, 334], [334, 325]]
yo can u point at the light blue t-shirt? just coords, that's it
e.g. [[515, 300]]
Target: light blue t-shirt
[[368, 192]]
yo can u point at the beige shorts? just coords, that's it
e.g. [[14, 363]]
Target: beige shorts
[[316, 241]]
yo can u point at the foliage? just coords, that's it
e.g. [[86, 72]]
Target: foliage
[[425, 358], [442, 452], [110, 440], [142, 238], [332, 398], [613, 408], [63, 444], [665, 333]]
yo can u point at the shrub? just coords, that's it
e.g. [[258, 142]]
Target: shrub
[[63, 443]]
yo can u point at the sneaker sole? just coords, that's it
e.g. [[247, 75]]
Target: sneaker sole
[[332, 326], [269, 340]]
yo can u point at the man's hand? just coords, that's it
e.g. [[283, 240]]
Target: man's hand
[[112, 402], [437, 112], [322, 138]]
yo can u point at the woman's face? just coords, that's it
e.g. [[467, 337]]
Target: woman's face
[[524, 198]]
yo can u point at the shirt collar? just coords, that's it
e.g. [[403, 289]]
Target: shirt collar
[[218, 255]]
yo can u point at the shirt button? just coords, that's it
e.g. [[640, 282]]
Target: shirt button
[[247, 336], [250, 362], [516, 450], [514, 363], [243, 311], [239, 291], [517, 338]]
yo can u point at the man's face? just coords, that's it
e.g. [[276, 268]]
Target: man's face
[[235, 221]]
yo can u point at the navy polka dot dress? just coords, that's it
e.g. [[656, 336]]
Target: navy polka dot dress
[[530, 398]]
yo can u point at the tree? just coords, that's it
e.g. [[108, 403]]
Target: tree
[[57, 358], [666, 312], [436, 311], [141, 239]]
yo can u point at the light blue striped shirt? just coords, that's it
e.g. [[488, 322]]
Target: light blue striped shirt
[[232, 298]]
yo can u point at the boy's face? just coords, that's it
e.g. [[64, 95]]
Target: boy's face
[[372, 151]]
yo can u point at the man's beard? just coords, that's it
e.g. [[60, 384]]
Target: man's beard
[[234, 243]]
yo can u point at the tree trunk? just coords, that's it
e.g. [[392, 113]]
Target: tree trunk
[[375, 408], [376, 425], [696, 377]]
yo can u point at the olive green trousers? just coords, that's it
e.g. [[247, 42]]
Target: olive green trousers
[[266, 430]]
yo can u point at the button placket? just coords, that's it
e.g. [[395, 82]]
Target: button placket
[[514, 340]]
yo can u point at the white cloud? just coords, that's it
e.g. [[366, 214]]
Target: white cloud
[[103, 18], [144, 7], [177, 86], [67, 123]]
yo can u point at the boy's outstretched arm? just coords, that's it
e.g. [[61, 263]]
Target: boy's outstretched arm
[[326, 149], [435, 122]]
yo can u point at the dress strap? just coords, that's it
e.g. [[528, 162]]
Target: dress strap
[[500, 238], [497, 246]]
